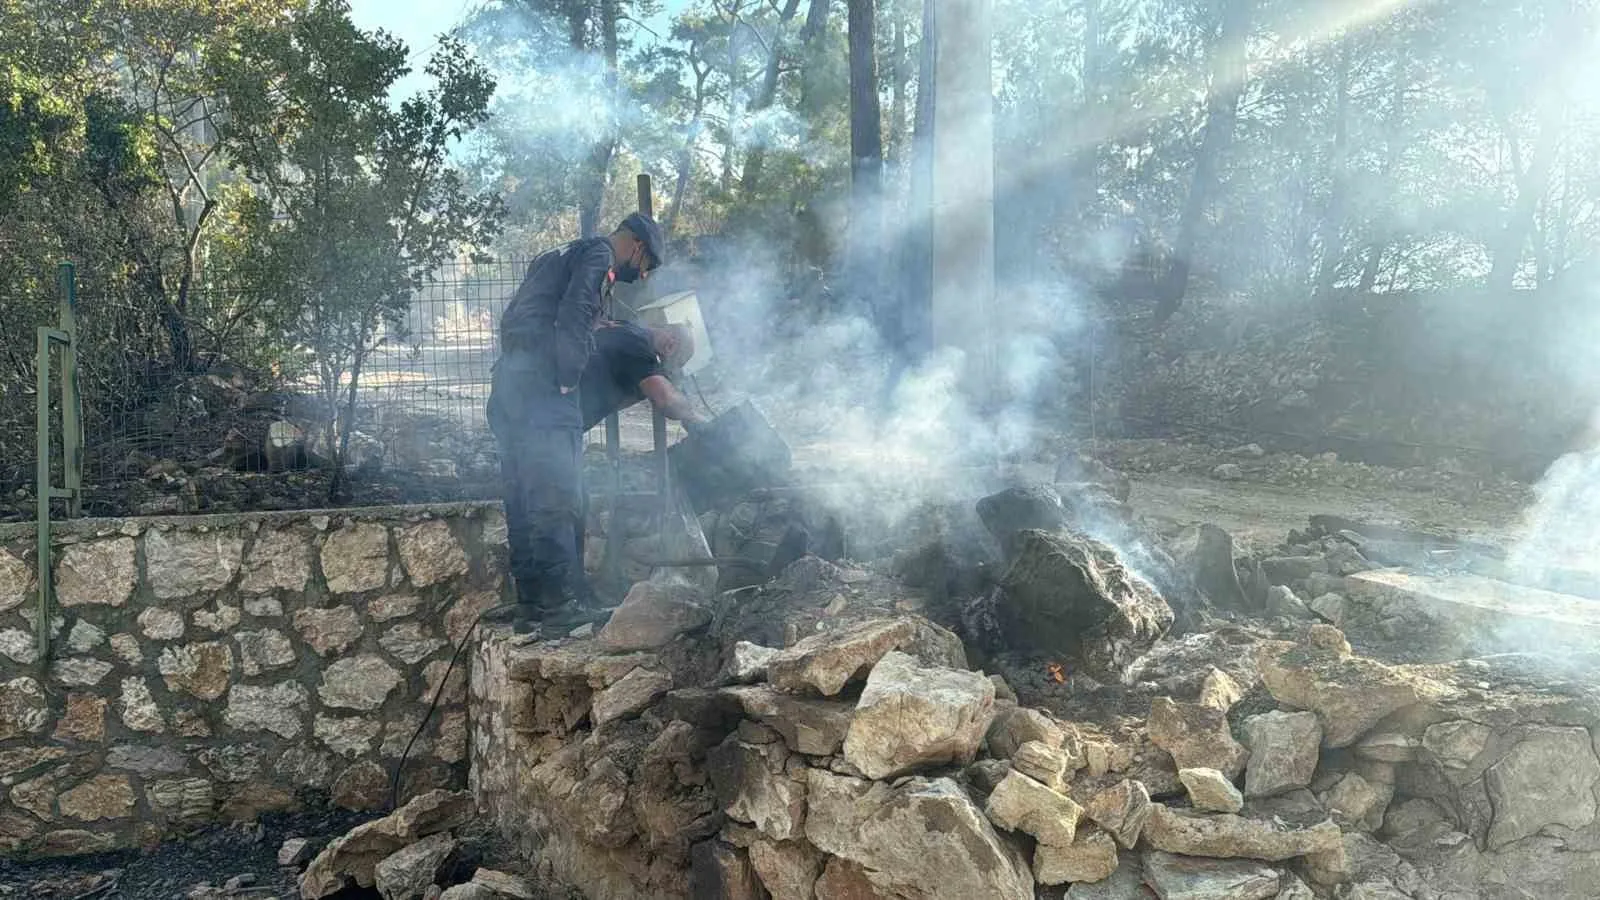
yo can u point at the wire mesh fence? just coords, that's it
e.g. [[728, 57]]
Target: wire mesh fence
[[191, 411]]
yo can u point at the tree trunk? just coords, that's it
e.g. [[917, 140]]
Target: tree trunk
[[1333, 222], [866, 157], [915, 296], [691, 134], [810, 39], [756, 158], [1369, 270], [1227, 65], [597, 165], [1531, 186], [899, 97]]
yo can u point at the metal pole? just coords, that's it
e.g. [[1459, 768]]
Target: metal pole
[[658, 420], [71, 406], [44, 560]]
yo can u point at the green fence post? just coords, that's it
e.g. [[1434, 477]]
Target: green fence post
[[71, 405], [41, 626]]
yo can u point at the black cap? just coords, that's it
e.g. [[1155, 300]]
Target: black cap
[[649, 233]]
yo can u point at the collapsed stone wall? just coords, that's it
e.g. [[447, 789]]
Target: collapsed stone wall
[[215, 668], [858, 755]]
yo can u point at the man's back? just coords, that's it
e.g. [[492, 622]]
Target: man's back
[[624, 356], [534, 307]]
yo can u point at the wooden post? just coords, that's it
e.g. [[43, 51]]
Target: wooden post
[[658, 420]]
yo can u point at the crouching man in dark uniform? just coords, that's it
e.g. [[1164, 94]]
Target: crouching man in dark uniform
[[547, 336]]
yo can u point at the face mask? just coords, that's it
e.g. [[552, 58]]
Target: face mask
[[627, 272]]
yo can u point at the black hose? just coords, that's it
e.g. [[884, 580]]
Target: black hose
[[394, 785]]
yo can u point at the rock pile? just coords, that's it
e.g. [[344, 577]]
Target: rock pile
[[406, 855], [868, 760]]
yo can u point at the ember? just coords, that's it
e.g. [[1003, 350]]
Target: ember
[[1056, 672]]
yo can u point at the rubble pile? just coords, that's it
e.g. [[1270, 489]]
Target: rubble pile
[[1113, 717], [413, 853]]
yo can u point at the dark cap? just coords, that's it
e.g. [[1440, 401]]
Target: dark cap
[[649, 233]]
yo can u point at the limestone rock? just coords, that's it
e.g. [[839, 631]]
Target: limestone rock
[[1328, 638], [1281, 601], [1331, 607], [264, 650], [101, 797], [1226, 836], [1029, 507], [84, 719], [294, 851], [910, 716], [630, 696], [1292, 569], [354, 857], [127, 649], [278, 561], [410, 642], [161, 624], [924, 837], [221, 617], [720, 870], [1388, 748], [280, 708], [355, 558], [1021, 804], [331, 630], [1122, 810], [1126, 883], [1283, 752], [347, 736], [1219, 691], [1090, 858], [824, 663], [79, 671], [73, 842], [1548, 778], [16, 582], [1014, 726], [748, 662], [1355, 802], [358, 682], [1292, 888], [408, 873], [1205, 553], [363, 786], [184, 563], [181, 799], [431, 553], [1066, 590], [845, 880], [1188, 878], [1196, 736], [100, 573], [1349, 694], [84, 637], [199, 670], [139, 709], [788, 869], [1044, 763], [1456, 744], [753, 784], [1210, 791], [503, 885], [392, 606], [147, 761], [809, 725], [21, 647], [651, 615]]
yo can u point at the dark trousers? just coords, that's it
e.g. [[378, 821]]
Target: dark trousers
[[540, 440], [543, 476]]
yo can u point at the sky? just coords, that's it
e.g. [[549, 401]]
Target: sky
[[420, 22]]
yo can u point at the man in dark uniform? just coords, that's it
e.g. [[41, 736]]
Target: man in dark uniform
[[630, 364], [547, 336]]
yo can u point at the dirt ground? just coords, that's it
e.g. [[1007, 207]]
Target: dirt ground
[[1260, 515]]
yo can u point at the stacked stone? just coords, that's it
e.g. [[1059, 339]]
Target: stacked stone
[[868, 761], [216, 668]]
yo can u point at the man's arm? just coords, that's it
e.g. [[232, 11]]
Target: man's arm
[[672, 403], [578, 311]]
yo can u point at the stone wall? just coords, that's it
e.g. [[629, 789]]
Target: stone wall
[[214, 668]]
